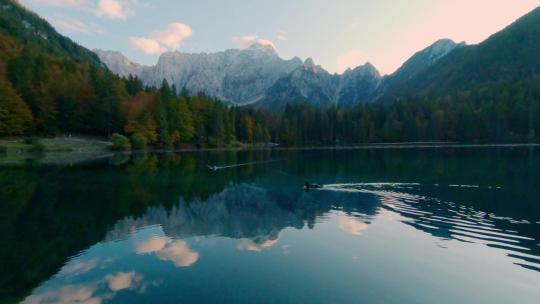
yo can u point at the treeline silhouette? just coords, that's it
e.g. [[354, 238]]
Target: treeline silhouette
[[496, 113]]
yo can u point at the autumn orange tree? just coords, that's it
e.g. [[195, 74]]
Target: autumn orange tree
[[15, 116], [246, 128], [139, 113]]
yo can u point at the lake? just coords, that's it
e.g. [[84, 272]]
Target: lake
[[390, 225]]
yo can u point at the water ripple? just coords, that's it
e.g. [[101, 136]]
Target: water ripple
[[451, 220]]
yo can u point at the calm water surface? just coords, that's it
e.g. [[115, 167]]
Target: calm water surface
[[452, 225]]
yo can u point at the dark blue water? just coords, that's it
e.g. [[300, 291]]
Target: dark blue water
[[453, 225]]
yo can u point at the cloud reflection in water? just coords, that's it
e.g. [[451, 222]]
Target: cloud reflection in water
[[167, 249]]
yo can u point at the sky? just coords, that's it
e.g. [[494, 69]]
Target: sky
[[337, 34]]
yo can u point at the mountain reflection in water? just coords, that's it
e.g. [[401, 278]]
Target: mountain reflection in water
[[248, 212], [131, 231]]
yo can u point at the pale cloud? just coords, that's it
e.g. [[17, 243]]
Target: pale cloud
[[78, 267], [151, 245], [67, 294], [350, 59], [94, 292], [173, 36], [266, 42], [244, 41], [123, 280], [248, 40], [179, 253], [112, 9], [168, 250], [351, 225], [146, 45], [161, 41]]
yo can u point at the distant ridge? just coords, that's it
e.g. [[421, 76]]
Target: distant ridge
[[508, 55]]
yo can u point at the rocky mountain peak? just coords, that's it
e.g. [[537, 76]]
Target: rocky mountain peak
[[440, 49], [309, 62], [310, 66], [118, 63], [258, 75], [366, 69]]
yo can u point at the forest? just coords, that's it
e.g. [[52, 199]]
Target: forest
[[49, 85], [45, 93], [501, 113], [49, 95]]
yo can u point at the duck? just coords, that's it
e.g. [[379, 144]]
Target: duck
[[308, 186]]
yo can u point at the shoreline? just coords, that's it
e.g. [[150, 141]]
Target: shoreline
[[359, 147], [77, 150]]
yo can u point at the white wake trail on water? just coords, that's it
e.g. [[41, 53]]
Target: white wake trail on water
[[216, 168]]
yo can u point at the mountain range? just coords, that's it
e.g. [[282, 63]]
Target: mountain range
[[258, 76], [449, 91]]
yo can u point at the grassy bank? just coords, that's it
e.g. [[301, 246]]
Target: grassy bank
[[62, 149]]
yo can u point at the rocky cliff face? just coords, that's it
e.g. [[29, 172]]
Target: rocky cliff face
[[119, 64], [234, 76], [358, 85], [307, 83], [257, 75]]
